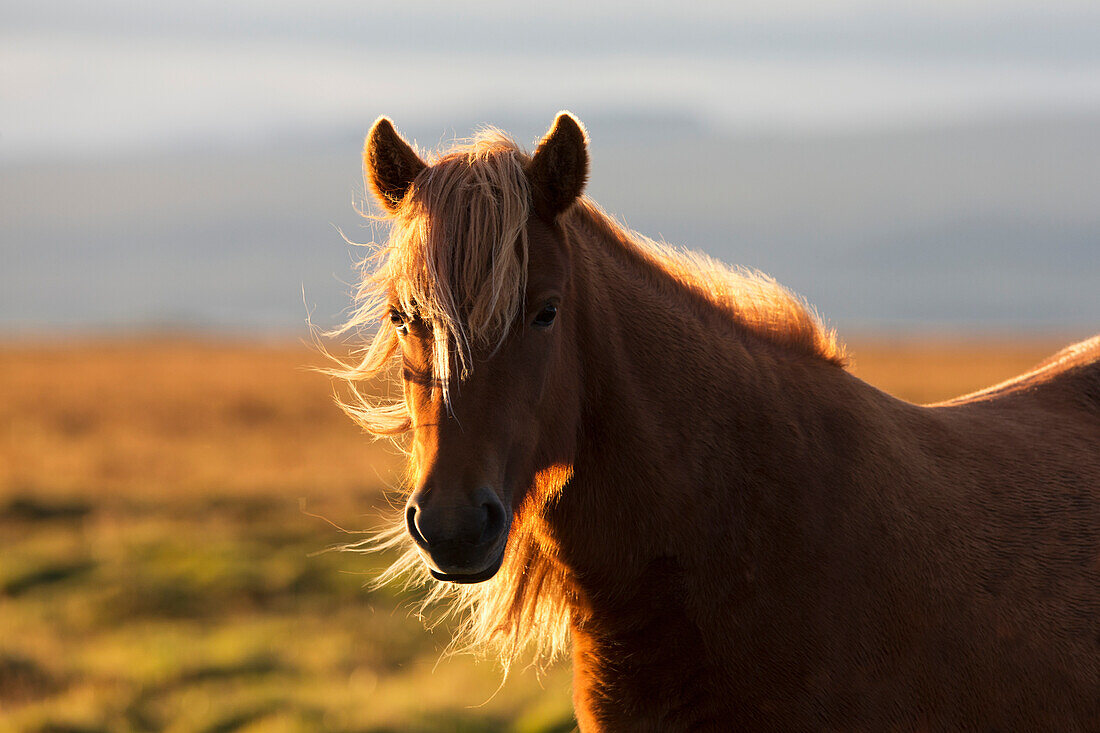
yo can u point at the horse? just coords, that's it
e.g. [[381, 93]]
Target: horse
[[662, 465]]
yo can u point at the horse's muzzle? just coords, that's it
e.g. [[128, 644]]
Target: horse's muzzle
[[461, 543]]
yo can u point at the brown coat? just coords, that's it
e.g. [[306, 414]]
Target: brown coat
[[668, 460]]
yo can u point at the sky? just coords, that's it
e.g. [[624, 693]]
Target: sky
[[117, 76], [905, 166]]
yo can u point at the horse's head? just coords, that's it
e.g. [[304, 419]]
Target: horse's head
[[479, 301]]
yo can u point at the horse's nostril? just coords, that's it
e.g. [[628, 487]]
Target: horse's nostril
[[410, 522], [431, 525]]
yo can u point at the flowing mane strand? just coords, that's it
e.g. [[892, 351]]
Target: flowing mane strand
[[456, 257]]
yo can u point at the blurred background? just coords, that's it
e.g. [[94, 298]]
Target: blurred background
[[176, 184]]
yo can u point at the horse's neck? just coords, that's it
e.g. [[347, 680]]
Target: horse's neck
[[698, 437], [693, 425], [677, 382]]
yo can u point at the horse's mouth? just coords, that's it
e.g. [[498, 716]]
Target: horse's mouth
[[454, 565], [477, 577]]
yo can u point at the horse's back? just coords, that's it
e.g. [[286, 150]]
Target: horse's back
[[1042, 426], [1071, 377], [1008, 495], [1082, 353]]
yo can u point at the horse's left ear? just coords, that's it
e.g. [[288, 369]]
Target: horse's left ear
[[559, 168], [389, 164]]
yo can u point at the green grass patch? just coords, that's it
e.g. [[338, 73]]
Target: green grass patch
[[227, 614]]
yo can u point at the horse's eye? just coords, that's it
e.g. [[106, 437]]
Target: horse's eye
[[546, 316], [398, 320]]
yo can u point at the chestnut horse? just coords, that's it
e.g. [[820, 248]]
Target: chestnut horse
[[664, 464]]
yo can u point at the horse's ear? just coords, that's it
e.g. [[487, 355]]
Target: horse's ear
[[559, 168], [389, 163]]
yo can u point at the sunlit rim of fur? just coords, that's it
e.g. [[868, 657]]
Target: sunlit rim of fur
[[457, 257], [753, 299]]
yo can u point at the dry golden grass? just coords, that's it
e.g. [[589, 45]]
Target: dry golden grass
[[153, 418], [931, 369], [157, 573]]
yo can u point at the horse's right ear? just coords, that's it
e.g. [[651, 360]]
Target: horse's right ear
[[559, 168], [389, 164]]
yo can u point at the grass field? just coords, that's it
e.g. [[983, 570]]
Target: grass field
[[159, 572]]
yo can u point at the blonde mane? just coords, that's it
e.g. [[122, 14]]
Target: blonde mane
[[456, 257]]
